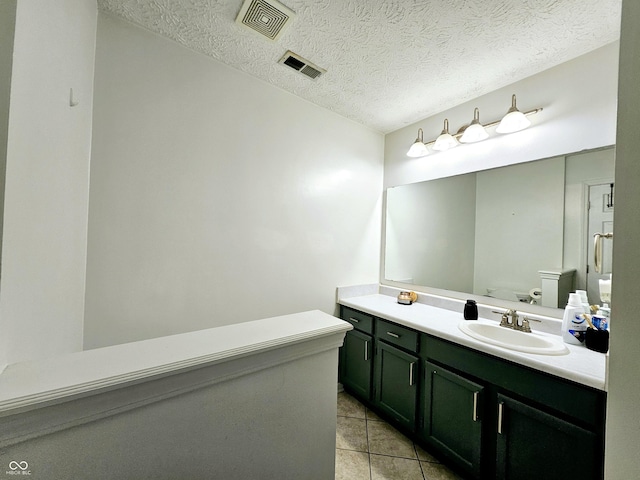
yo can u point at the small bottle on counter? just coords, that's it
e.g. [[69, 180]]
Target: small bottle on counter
[[470, 310], [601, 319], [585, 301], [574, 325]]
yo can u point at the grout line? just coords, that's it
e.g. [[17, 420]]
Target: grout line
[[419, 462], [366, 429]]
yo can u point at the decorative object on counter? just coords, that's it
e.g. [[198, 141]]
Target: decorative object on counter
[[597, 340], [597, 335], [513, 121], [470, 310], [574, 323], [407, 298]]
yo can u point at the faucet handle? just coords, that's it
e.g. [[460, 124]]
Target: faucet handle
[[525, 327]]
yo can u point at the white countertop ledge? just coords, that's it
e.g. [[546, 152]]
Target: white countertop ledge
[[579, 365], [30, 383]]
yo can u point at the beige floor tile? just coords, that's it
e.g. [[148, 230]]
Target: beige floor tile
[[352, 465], [349, 406], [386, 440], [394, 468], [437, 471], [351, 434], [425, 456]]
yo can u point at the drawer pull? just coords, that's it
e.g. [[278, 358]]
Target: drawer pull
[[500, 408], [475, 406], [366, 350], [411, 365], [394, 335], [354, 320]]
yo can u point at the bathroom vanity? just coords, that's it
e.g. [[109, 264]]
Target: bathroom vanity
[[487, 411]]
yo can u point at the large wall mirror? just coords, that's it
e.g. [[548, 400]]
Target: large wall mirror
[[504, 232]]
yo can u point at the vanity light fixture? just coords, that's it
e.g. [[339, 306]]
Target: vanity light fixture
[[445, 141], [418, 149], [475, 132], [513, 121]]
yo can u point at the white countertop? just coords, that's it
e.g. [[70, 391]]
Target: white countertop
[[579, 365], [28, 383]]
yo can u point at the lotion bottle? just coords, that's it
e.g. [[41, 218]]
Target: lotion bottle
[[574, 325]]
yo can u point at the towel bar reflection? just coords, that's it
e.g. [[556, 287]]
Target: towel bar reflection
[[597, 249]]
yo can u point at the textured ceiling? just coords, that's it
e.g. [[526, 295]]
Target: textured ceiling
[[389, 62]]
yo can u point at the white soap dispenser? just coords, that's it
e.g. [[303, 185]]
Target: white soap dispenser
[[574, 325]]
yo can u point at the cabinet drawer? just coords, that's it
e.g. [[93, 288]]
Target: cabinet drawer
[[397, 335], [360, 321]]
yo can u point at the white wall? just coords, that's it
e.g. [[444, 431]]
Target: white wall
[[424, 221], [623, 415], [579, 102], [519, 225], [7, 30], [47, 179], [217, 198]]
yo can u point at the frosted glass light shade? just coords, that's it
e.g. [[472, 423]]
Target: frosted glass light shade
[[418, 149], [514, 120], [445, 141], [474, 132]]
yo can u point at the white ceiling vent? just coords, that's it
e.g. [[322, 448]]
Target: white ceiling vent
[[301, 65], [267, 17]]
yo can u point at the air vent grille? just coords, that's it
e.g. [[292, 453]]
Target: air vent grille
[[301, 65], [267, 17]]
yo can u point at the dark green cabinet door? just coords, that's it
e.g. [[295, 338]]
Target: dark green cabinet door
[[356, 363], [532, 444], [453, 416], [396, 384]]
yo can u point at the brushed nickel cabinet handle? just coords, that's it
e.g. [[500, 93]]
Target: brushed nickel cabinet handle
[[366, 350], [394, 335], [500, 409], [354, 320], [411, 365], [475, 406]]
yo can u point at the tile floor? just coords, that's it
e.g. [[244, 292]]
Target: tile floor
[[368, 448]]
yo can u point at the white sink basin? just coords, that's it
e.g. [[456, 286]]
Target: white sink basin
[[513, 339]]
